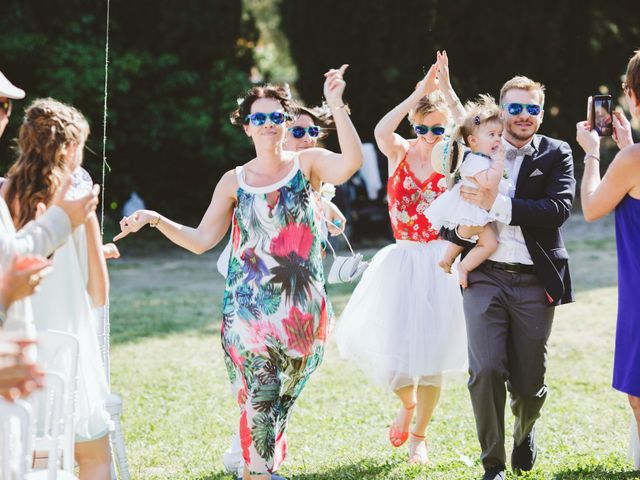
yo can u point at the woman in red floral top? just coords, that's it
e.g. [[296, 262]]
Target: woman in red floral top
[[404, 324]]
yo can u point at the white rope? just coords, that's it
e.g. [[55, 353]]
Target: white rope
[[104, 122]]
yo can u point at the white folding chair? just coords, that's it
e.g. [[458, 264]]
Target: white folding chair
[[15, 439], [114, 401], [47, 405], [58, 352]]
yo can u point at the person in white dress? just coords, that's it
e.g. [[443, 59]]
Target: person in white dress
[[50, 143], [483, 165]]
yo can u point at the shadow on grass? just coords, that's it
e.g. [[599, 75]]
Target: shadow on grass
[[363, 469], [596, 472]]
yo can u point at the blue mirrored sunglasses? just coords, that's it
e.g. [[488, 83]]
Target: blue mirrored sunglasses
[[259, 118], [298, 132], [516, 108], [424, 129]]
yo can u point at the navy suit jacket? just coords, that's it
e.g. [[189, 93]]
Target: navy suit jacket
[[541, 204]]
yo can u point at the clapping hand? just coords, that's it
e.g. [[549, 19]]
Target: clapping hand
[[429, 83], [442, 63], [334, 85]]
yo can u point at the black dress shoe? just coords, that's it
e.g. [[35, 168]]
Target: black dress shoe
[[494, 473], [524, 455]]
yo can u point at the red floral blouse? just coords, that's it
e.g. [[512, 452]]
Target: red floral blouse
[[408, 199]]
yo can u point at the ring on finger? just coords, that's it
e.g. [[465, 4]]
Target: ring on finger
[[34, 280]]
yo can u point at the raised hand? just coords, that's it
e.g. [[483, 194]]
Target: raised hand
[[334, 85], [77, 210], [442, 63], [588, 138], [621, 130], [429, 83]]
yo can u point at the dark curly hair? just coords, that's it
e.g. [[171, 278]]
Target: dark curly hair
[[275, 92]]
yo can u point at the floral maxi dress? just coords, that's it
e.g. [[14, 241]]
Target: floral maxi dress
[[275, 311]]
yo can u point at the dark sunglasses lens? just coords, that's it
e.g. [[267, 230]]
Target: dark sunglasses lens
[[277, 118], [313, 131], [533, 110], [437, 130], [297, 132], [515, 108], [421, 129], [258, 119]]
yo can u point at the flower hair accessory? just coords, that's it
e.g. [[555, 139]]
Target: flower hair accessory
[[476, 120]]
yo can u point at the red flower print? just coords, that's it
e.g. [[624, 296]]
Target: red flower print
[[245, 437], [235, 234], [321, 331], [281, 450], [299, 329], [294, 238], [236, 358], [260, 332]]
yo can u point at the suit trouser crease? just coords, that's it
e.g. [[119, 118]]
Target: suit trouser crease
[[508, 324]]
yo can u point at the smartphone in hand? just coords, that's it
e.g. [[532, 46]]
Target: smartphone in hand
[[601, 115]]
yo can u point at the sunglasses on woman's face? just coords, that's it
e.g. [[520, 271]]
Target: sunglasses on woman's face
[[517, 108], [298, 132], [258, 119], [424, 129], [5, 105]]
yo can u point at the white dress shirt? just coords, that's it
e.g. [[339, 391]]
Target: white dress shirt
[[511, 245]]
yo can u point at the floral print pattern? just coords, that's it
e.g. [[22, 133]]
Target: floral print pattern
[[408, 199], [275, 313]]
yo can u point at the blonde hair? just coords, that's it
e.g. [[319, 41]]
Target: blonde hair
[[434, 102], [48, 128], [478, 112], [521, 82], [633, 73]]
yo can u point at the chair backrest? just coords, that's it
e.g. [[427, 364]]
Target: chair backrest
[[101, 317], [47, 405], [15, 453], [58, 352]]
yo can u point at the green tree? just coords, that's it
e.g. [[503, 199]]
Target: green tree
[[175, 72]]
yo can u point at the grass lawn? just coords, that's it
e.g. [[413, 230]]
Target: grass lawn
[[179, 416]]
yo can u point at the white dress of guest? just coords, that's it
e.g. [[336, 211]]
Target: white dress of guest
[[63, 304]]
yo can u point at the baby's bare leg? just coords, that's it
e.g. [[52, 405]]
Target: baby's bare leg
[[487, 244], [450, 255]]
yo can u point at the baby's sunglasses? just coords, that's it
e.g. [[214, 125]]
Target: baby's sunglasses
[[424, 129], [516, 108], [298, 132], [258, 119]]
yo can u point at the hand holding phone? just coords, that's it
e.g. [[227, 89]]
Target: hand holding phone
[[601, 115]]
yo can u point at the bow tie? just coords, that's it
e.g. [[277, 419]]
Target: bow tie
[[515, 152]]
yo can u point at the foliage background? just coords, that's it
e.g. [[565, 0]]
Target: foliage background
[[177, 68]]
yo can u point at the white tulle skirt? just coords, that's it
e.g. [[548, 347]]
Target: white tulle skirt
[[450, 210], [404, 323]]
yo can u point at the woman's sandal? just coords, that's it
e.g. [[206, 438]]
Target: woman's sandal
[[397, 437], [418, 450]]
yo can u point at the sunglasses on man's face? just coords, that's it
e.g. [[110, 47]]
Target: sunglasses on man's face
[[424, 129], [299, 132], [517, 108], [5, 105], [258, 119]]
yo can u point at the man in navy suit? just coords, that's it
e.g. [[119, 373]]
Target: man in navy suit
[[510, 299]]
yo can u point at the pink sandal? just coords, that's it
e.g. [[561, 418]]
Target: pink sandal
[[398, 437]]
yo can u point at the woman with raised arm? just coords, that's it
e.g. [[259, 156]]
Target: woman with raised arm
[[404, 324], [619, 190], [275, 311]]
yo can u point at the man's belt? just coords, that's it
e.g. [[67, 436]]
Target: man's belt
[[511, 267]]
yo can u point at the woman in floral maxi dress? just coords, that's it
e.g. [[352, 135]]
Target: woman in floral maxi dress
[[275, 310]]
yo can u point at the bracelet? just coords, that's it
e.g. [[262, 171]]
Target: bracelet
[[346, 108], [155, 224], [591, 155]]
